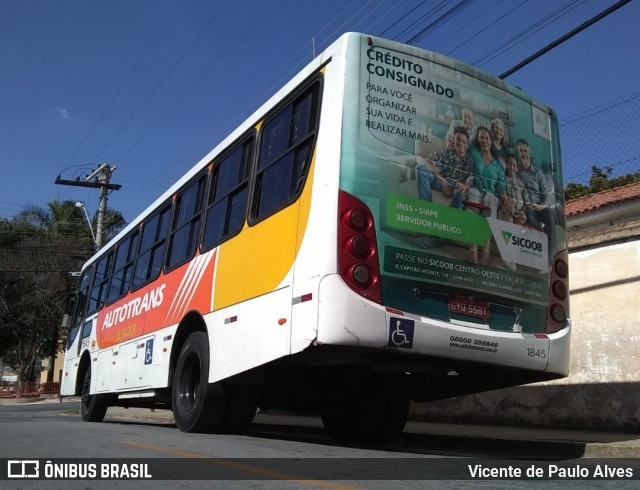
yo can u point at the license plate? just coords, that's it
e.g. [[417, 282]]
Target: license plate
[[462, 305]]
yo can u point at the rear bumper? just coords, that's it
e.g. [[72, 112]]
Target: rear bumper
[[347, 319]]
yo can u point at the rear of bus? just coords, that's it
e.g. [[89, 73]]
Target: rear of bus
[[416, 300]]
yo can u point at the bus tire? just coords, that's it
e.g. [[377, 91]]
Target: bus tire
[[93, 408], [242, 404], [371, 420], [197, 405]]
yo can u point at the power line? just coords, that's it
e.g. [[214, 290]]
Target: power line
[[443, 19], [417, 22], [533, 28], [122, 85], [159, 84], [463, 28], [600, 109], [483, 29], [401, 18], [564, 38]]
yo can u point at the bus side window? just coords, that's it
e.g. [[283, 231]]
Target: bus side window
[[152, 245], [285, 153], [98, 295], [80, 305], [227, 200], [186, 223], [123, 267]]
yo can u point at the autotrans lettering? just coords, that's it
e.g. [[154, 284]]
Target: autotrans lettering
[[151, 299], [403, 71]]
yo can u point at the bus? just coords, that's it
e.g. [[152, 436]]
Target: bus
[[304, 265]]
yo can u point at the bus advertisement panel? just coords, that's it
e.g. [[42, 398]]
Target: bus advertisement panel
[[461, 172]]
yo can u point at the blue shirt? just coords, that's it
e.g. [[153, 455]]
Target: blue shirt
[[489, 178], [535, 183]]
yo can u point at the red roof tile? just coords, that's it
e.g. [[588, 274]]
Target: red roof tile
[[605, 198]]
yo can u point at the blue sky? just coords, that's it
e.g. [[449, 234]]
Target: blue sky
[[152, 85]]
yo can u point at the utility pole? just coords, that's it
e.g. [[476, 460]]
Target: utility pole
[[102, 176]]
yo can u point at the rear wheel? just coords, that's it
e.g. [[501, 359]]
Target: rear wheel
[[242, 404], [92, 407], [373, 419], [365, 407]]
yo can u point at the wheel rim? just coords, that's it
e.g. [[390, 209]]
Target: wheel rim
[[189, 383]]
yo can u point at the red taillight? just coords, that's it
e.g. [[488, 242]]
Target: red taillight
[[559, 297], [357, 248], [360, 247]]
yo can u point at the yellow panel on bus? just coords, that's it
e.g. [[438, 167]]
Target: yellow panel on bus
[[258, 260]]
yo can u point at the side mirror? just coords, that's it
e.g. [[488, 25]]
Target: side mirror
[[70, 303], [66, 321]]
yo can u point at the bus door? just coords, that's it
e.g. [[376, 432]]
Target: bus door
[[74, 336]]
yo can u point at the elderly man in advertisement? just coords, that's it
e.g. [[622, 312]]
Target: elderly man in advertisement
[[468, 122], [538, 211], [450, 172]]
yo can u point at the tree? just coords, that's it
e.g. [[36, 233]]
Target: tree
[[600, 181], [33, 291], [62, 218], [38, 249], [112, 223]]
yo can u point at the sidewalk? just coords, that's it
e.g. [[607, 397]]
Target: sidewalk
[[540, 442]]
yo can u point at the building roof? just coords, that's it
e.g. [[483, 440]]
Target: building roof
[[599, 200]]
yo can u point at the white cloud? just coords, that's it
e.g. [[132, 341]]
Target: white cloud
[[64, 113]]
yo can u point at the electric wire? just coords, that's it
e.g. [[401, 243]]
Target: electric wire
[[126, 80], [440, 21], [278, 71], [401, 18], [484, 28], [527, 32], [163, 79], [418, 21]]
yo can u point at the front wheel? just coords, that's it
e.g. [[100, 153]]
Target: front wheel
[[200, 406], [93, 408]]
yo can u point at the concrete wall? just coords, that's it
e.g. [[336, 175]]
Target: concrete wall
[[603, 388]]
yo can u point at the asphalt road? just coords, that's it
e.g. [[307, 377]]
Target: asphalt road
[[282, 452]]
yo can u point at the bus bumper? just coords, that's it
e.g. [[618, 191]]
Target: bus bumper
[[347, 319]]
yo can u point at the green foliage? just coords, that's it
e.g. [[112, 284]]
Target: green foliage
[[38, 249], [600, 181]]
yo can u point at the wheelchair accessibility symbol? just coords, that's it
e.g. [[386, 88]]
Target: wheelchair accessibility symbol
[[401, 333], [148, 352]]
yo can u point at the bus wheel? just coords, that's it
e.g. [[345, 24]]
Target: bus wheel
[[92, 407], [373, 420], [242, 404], [197, 405]]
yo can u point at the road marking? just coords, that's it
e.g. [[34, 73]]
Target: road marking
[[246, 467]]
